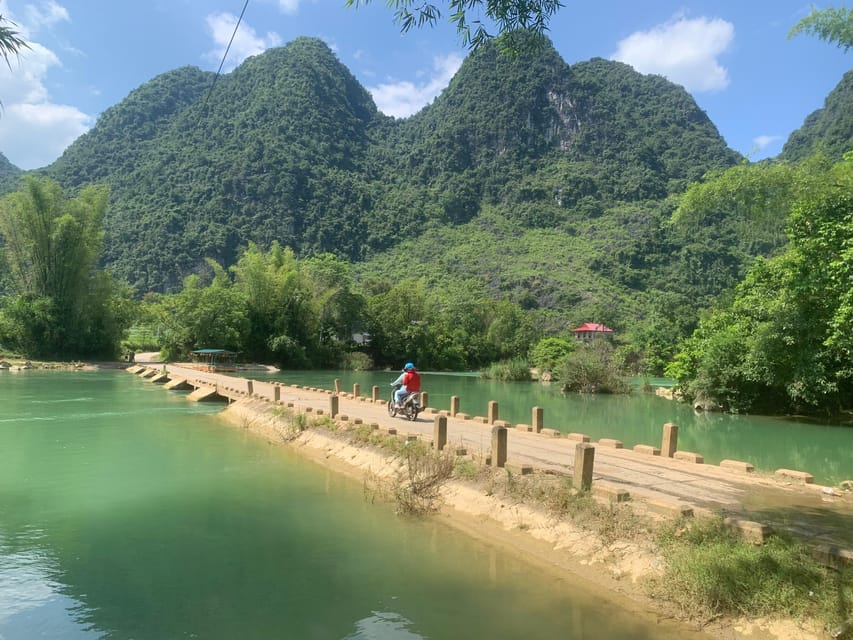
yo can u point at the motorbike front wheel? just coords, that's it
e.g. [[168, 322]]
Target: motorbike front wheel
[[392, 410]]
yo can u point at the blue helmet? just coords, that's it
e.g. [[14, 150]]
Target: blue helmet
[[408, 366]]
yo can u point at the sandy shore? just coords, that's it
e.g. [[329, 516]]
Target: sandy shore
[[613, 572]]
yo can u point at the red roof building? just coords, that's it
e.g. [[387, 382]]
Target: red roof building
[[591, 330]]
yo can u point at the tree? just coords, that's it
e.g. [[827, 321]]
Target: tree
[[830, 24], [519, 23], [212, 316], [10, 42], [783, 343], [60, 303]]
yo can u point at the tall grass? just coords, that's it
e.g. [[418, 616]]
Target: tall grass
[[712, 572]]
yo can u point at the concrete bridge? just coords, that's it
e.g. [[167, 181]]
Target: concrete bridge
[[658, 478]]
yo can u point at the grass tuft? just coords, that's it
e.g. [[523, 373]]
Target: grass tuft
[[712, 572]]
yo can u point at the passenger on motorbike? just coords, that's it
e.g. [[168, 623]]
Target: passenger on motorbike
[[410, 381]]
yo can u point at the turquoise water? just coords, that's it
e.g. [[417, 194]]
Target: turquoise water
[[127, 511], [768, 443]]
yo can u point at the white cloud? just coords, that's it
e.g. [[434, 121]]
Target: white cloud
[[34, 135], [683, 50], [401, 99], [34, 131], [289, 7], [45, 15], [246, 42], [762, 141]]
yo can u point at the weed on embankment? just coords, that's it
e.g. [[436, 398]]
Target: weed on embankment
[[711, 572]]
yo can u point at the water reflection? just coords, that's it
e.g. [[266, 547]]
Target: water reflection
[[384, 625], [32, 602]]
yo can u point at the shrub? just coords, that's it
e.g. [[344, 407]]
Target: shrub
[[516, 369], [550, 354], [592, 368]]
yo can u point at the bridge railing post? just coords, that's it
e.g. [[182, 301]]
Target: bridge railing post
[[439, 437], [669, 443], [536, 419], [499, 446], [584, 462], [454, 405], [493, 411]]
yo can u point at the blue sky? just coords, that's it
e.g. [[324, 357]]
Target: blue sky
[[732, 55]]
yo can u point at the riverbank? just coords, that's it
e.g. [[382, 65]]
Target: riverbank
[[615, 558]]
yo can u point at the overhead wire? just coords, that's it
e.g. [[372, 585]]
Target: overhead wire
[[224, 56]]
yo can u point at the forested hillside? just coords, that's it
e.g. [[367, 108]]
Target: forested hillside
[[290, 147], [828, 130], [530, 182], [9, 174]]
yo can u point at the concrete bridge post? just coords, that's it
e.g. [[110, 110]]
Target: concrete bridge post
[[337, 385], [454, 405], [356, 390], [439, 436], [276, 393], [333, 406], [584, 461], [424, 399], [536, 419], [669, 444], [493, 411], [499, 445], [250, 388], [375, 393]]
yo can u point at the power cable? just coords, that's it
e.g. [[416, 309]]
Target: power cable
[[224, 56]]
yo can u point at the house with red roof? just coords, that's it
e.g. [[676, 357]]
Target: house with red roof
[[590, 331]]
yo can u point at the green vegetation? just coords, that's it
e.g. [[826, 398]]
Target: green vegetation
[[782, 342], [550, 354], [285, 215], [58, 304], [711, 572], [593, 368], [518, 22], [516, 369], [834, 25], [10, 41], [828, 130]]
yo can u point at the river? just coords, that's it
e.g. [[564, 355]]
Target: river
[[824, 450], [127, 511]]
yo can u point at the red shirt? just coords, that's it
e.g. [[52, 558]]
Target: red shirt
[[412, 381]]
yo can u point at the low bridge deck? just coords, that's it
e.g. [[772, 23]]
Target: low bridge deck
[[672, 485]]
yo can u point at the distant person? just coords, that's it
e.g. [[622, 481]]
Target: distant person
[[410, 381]]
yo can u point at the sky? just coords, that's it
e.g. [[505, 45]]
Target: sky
[[733, 56]]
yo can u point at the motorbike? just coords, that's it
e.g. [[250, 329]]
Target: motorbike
[[410, 404]]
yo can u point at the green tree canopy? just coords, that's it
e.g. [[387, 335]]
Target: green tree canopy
[[834, 25], [10, 41], [58, 302], [517, 23], [783, 343]]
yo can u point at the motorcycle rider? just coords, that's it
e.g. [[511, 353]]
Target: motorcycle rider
[[410, 380]]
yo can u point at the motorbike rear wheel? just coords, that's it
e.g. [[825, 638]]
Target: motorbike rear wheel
[[410, 411], [392, 410]]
